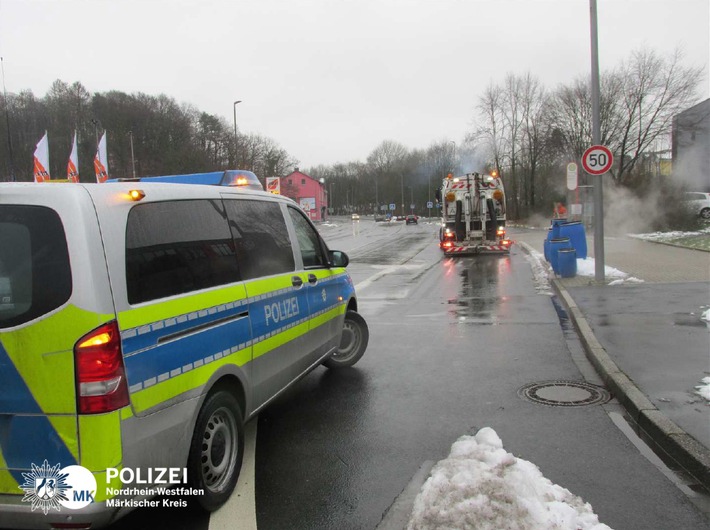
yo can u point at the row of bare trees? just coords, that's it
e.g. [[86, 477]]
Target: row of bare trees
[[524, 130], [529, 133], [153, 134]]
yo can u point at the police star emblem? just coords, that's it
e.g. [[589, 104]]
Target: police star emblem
[[45, 486]]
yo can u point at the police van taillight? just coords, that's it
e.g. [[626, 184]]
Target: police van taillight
[[100, 376]]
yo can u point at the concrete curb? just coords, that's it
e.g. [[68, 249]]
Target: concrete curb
[[649, 422]]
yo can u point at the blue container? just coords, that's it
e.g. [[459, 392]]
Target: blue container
[[575, 232], [556, 223], [546, 248], [555, 246], [567, 262]]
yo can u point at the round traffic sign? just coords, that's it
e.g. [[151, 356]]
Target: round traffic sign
[[597, 160]]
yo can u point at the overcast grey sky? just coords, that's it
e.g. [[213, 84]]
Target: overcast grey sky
[[328, 80]]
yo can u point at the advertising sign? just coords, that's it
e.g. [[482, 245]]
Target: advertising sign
[[273, 185], [307, 204]]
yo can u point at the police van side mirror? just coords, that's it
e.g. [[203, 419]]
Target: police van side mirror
[[338, 258]]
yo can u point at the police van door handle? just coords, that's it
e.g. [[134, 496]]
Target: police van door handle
[[296, 281], [312, 279]]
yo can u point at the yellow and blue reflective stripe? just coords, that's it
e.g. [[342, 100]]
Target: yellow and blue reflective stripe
[[150, 361], [27, 436]]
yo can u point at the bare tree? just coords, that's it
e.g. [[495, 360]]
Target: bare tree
[[534, 102], [653, 90]]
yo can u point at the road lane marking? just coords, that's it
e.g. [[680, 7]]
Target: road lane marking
[[240, 509]]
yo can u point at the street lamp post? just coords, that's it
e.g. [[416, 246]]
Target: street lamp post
[[133, 158], [402, 183], [236, 140], [96, 131]]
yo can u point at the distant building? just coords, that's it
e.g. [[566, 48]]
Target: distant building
[[309, 193], [691, 147]]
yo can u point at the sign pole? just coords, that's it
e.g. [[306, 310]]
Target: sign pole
[[596, 140]]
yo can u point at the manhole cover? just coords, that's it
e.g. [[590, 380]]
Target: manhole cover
[[564, 393]]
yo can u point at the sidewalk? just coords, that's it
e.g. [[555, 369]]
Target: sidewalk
[[647, 341]]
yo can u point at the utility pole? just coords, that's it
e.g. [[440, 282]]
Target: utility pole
[[7, 120], [596, 139]]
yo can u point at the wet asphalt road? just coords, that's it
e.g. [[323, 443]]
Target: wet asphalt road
[[451, 344]]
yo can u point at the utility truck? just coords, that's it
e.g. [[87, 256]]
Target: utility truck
[[473, 211]]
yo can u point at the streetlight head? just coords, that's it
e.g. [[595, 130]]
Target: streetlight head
[[237, 101]]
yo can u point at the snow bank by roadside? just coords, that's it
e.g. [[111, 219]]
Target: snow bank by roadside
[[480, 485]]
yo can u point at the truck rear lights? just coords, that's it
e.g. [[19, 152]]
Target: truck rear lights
[[100, 376]]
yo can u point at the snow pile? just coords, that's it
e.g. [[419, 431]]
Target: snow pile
[[669, 236], [481, 486], [704, 389], [540, 273], [585, 267], [542, 270]]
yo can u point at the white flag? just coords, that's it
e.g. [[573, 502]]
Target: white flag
[[73, 164], [101, 161], [41, 162]]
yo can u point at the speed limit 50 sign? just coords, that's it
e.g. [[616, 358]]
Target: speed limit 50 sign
[[597, 160]]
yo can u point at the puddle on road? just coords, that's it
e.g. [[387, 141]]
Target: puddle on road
[[480, 298]]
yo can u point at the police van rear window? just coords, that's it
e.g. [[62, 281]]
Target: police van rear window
[[35, 272]]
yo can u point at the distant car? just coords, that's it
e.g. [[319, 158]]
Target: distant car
[[411, 219], [355, 217], [380, 218], [698, 202]]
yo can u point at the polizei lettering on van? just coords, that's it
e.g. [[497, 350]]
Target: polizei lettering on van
[[282, 310]]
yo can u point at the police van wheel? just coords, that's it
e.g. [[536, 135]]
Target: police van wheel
[[352, 344], [217, 450]]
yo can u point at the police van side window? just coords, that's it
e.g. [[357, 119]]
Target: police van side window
[[308, 240], [175, 247], [261, 237], [35, 272]]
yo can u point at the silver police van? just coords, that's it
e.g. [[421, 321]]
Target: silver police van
[[141, 325]]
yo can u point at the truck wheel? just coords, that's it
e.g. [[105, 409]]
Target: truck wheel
[[352, 344], [217, 450]]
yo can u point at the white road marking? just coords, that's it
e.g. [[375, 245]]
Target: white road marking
[[240, 510]]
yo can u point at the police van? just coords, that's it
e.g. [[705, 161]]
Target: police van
[[141, 325]]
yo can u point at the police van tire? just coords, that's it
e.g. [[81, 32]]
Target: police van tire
[[217, 450], [352, 344]]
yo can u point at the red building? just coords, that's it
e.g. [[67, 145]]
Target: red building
[[309, 193]]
